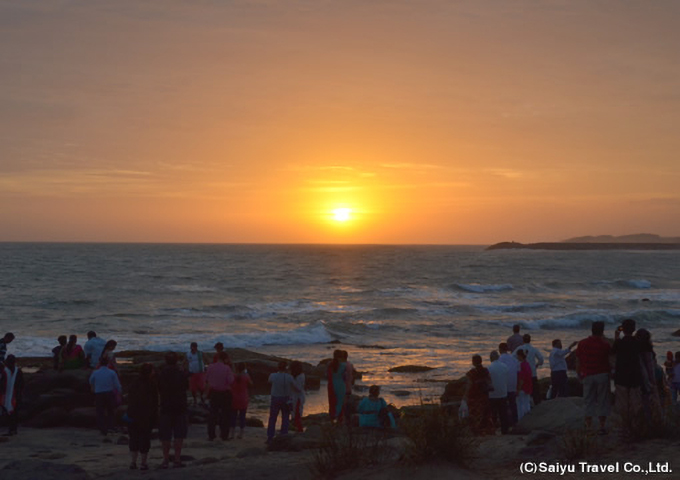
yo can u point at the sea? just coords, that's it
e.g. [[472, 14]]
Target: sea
[[387, 306]]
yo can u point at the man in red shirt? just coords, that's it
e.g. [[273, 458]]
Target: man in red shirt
[[592, 357]]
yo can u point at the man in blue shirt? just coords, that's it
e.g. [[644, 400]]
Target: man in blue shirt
[[105, 384]]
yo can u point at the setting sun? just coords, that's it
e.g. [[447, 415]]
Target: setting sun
[[342, 214]]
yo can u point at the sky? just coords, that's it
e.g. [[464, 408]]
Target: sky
[[353, 121]]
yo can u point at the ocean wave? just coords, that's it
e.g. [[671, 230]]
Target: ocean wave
[[305, 335], [390, 312], [478, 288], [585, 319], [190, 288], [622, 283], [527, 307]]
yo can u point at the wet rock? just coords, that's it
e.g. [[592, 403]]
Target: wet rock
[[401, 393], [410, 369]]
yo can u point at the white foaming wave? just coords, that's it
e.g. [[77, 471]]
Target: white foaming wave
[[305, 335], [478, 288], [514, 308], [584, 319], [640, 283]]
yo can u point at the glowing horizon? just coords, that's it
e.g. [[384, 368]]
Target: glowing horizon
[[253, 122]]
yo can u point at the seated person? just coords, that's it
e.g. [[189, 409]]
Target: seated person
[[373, 411]]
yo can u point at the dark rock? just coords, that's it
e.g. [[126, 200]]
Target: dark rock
[[454, 391], [377, 347], [401, 393], [414, 411], [83, 417], [32, 469], [254, 422], [410, 369], [335, 342], [316, 419], [574, 386], [52, 417], [123, 440], [676, 333]]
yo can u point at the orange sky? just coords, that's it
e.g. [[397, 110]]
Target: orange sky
[[251, 121]]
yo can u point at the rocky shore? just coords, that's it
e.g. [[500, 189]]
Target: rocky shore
[[58, 439]]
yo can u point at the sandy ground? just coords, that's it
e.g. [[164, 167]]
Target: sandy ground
[[499, 458]]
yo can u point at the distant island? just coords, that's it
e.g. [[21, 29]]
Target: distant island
[[642, 241], [636, 238]]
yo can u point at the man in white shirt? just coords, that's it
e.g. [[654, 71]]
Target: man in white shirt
[[282, 384], [513, 368], [93, 349], [558, 368], [535, 360], [498, 397]]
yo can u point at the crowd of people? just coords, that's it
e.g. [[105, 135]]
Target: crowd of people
[[498, 396], [495, 397]]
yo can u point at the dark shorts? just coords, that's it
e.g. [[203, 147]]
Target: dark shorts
[[172, 426]]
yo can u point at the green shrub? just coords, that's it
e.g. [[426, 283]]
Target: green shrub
[[433, 435], [579, 443], [345, 448]]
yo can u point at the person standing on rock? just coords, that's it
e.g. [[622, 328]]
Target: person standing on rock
[[6, 340], [592, 364], [11, 389], [297, 394], [240, 399], [93, 349], [627, 374], [282, 385], [173, 422], [56, 351], [535, 360], [524, 385], [558, 369], [105, 383], [196, 367], [514, 340], [218, 380], [477, 396], [71, 357], [513, 369], [109, 356], [498, 397], [142, 412], [337, 386]]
